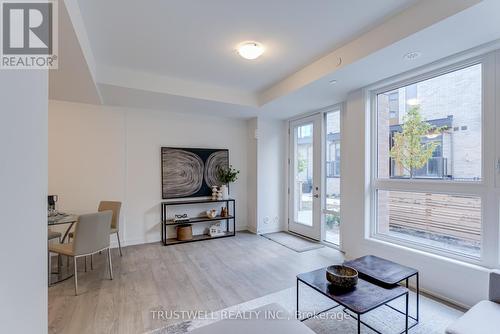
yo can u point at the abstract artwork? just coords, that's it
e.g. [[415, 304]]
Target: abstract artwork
[[191, 172]]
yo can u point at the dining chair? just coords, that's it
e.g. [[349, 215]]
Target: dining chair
[[91, 236], [54, 235], [115, 222], [50, 236]]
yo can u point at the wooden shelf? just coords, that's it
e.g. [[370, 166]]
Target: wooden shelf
[[171, 222], [174, 241]]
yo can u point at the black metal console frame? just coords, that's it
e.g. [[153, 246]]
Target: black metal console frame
[[165, 223]]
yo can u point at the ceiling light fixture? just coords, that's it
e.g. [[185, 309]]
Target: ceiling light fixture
[[250, 50], [412, 55], [332, 82]]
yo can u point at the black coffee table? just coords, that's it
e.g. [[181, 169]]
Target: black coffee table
[[363, 298], [385, 272]]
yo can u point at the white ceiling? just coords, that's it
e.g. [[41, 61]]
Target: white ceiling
[[72, 64], [178, 55], [195, 39], [475, 30]]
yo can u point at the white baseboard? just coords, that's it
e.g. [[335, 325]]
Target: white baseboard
[[252, 230], [270, 230], [140, 241], [445, 299]]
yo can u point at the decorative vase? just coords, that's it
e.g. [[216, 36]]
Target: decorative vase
[[223, 212], [214, 192], [225, 191]]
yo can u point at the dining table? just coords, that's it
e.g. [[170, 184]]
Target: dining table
[[63, 272]]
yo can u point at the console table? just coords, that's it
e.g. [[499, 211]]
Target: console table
[[165, 222]]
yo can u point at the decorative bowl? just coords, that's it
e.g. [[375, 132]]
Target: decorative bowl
[[212, 213], [342, 277]]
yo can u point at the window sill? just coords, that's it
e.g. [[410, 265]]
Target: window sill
[[442, 255], [332, 245], [431, 181]]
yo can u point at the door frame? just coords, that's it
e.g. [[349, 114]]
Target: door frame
[[316, 230], [339, 107], [289, 175]]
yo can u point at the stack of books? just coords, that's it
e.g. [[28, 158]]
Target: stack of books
[[181, 218]]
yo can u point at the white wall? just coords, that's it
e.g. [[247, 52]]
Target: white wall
[[266, 174], [271, 171], [23, 201], [252, 177], [461, 283], [86, 155], [98, 152]]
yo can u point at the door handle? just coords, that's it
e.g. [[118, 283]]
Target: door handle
[[316, 196]]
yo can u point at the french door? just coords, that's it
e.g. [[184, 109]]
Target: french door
[[305, 176]]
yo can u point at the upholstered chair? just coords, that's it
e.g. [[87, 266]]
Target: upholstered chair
[[115, 222], [91, 236], [52, 235]]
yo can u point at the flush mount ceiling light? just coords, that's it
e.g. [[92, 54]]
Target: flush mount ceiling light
[[250, 50], [412, 55]]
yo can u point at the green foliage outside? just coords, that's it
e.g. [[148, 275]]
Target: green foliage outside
[[301, 165], [408, 149], [333, 220]]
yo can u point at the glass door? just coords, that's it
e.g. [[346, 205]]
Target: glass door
[[305, 177], [331, 206]]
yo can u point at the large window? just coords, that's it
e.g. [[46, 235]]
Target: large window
[[429, 162], [442, 221], [433, 130]]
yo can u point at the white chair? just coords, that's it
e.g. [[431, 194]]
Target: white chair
[[115, 222], [53, 235], [50, 236], [484, 317], [91, 236]]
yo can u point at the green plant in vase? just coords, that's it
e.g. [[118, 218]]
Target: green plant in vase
[[226, 176]]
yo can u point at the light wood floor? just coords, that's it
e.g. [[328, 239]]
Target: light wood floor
[[209, 275]]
